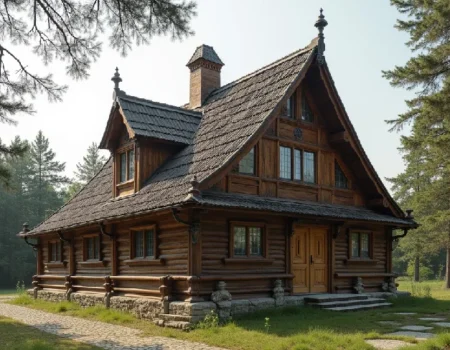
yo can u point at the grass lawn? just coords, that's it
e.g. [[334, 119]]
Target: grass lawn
[[17, 336], [290, 328]]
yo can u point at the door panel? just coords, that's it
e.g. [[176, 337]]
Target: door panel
[[300, 260], [309, 260]]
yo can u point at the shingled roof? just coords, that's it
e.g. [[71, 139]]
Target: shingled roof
[[230, 118]]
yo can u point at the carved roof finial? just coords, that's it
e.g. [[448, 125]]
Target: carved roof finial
[[117, 79], [194, 191], [320, 24]]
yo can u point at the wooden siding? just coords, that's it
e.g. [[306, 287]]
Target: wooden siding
[[315, 138]]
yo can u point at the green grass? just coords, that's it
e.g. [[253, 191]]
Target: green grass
[[17, 336], [290, 328]]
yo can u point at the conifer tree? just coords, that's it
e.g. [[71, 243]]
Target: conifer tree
[[91, 165], [427, 148], [46, 176]]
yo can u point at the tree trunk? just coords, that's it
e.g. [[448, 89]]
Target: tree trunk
[[447, 269], [417, 269]]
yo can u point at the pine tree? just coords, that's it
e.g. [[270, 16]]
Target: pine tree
[[91, 165], [47, 178], [427, 149]]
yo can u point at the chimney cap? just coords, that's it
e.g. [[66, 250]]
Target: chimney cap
[[207, 53]]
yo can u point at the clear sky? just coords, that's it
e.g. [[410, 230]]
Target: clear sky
[[247, 34]]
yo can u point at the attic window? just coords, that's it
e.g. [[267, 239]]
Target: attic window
[[126, 166], [289, 108], [340, 180], [307, 114], [247, 164]]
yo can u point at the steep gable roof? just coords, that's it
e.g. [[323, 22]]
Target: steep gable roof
[[232, 118]]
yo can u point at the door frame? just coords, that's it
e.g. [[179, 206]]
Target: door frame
[[330, 253]]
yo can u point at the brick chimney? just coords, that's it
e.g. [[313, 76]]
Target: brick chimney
[[205, 66]]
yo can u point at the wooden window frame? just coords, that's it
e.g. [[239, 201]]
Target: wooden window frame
[[50, 251], [125, 149], [350, 247], [145, 260], [304, 97], [302, 162], [343, 172], [99, 248], [248, 257], [236, 171]]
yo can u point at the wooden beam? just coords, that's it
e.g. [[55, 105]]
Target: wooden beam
[[378, 202], [339, 137]]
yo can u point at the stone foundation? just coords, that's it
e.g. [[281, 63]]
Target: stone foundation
[[180, 314]]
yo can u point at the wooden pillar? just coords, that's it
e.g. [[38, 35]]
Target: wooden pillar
[[195, 244], [388, 238], [332, 257], [72, 261], [39, 258], [114, 255]]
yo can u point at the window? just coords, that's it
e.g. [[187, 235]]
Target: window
[[296, 164], [360, 243], [144, 243], [309, 167], [288, 109], [307, 114], [54, 254], [92, 248], [340, 180], [126, 166], [285, 163], [247, 164], [247, 240]]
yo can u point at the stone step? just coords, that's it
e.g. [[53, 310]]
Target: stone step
[[359, 307], [348, 303], [334, 297], [170, 317], [177, 324]]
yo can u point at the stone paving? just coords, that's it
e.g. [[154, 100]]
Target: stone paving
[[100, 334], [387, 344]]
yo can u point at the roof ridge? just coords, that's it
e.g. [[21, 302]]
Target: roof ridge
[[162, 105], [312, 45]]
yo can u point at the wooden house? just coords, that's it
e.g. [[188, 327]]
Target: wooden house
[[260, 180]]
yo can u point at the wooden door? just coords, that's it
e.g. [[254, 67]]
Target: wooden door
[[318, 261], [309, 260]]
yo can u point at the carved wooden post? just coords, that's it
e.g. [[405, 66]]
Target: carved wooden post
[[109, 290], [68, 285], [165, 290], [35, 284]]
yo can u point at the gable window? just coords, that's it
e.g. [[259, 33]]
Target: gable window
[[288, 110], [360, 245], [307, 114], [247, 164], [92, 248], [340, 180], [247, 240], [54, 254], [143, 243], [126, 166], [297, 164]]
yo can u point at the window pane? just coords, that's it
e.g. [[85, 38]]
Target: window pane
[[96, 247], [297, 164], [340, 178], [123, 167], [255, 241], [285, 162], [90, 248], [355, 245], [139, 244], [131, 165], [364, 245], [149, 243], [247, 164], [307, 114], [239, 241], [308, 167], [289, 108]]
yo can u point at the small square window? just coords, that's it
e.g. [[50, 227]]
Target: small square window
[[92, 246], [247, 240], [360, 245], [144, 244], [55, 252]]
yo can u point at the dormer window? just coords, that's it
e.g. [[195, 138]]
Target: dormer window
[[125, 170], [126, 165]]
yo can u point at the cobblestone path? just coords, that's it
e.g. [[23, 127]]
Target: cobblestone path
[[101, 334]]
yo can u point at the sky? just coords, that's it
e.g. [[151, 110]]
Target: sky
[[360, 39]]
